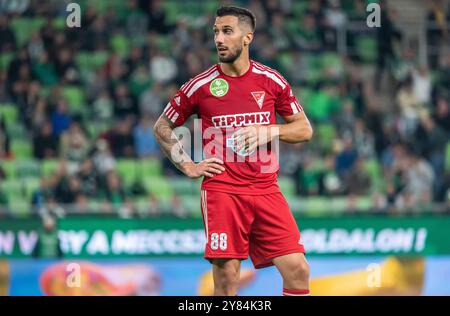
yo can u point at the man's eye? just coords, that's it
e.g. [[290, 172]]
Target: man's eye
[[227, 31]]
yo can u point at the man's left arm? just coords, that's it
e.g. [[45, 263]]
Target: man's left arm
[[297, 129]]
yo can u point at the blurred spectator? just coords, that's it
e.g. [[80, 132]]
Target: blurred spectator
[[35, 46], [44, 70], [103, 107], [419, 181], [387, 35], [358, 180], [97, 34], [308, 36], [117, 196], [157, 17], [363, 140], [163, 68], [422, 84], [151, 101], [103, 159], [68, 189], [65, 67], [124, 103], [74, 147], [297, 71], [139, 81], [45, 144], [437, 26], [61, 119], [121, 139], [177, 206], [346, 157], [8, 42], [410, 106], [88, 178], [442, 114], [442, 86], [279, 33], [136, 22], [5, 149], [47, 246], [144, 140]]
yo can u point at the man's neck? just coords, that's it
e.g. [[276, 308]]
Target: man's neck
[[237, 68]]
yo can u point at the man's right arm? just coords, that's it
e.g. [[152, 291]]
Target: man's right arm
[[173, 149]]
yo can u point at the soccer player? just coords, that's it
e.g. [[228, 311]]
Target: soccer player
[[244, 212]]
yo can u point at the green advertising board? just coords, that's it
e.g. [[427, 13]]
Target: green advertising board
[[108, 237]]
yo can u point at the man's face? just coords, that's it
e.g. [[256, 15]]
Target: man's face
[[229, 38]]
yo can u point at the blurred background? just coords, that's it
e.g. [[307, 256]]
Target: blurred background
[[83, 181]]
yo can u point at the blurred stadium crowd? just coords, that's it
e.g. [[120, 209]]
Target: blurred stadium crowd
[[77, 105]]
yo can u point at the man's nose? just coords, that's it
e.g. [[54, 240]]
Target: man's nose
[[219, 38]]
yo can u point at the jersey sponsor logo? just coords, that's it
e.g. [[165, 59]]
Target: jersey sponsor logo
[[218, 87], [243, 119], [259, 97]]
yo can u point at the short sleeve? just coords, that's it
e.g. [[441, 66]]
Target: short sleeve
[[179, 109], [287, 103]]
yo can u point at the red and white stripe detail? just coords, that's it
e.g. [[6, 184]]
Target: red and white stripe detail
[[270, 73], [289, 292], [204, 202], [296, 108], [201, 82], [171, 113], [191, 82]]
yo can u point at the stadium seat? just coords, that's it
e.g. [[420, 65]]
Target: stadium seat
[[28, 169], [317, 206], [20, 208], [30, 185], [372, 167], [326, 134], [49, 166], [366, 48], [23, 27], [9, 113], [90, 61], [182, 186], [338, 205], [5, 59], [120, 44], [287, 186], [75, 97], [296, 204], [158, 186], [192, 205], [447, 157], [13, 189], [17, 131], [9, 166], [128, 170], [364, 203], [21, 149], [171, 8], [150, 168]]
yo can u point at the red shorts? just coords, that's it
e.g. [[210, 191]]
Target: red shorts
[[237, 226]]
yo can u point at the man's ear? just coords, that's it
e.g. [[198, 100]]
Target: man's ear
[[248, 38]]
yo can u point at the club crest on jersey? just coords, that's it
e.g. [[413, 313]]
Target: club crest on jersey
[[243, 119], [218, 87], [259, 97]]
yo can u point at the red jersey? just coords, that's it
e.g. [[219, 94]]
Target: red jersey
[[225, 104]]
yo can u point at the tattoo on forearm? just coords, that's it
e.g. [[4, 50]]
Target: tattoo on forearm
[[169, 142]]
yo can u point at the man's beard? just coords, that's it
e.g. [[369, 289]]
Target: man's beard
[[232, 57]]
